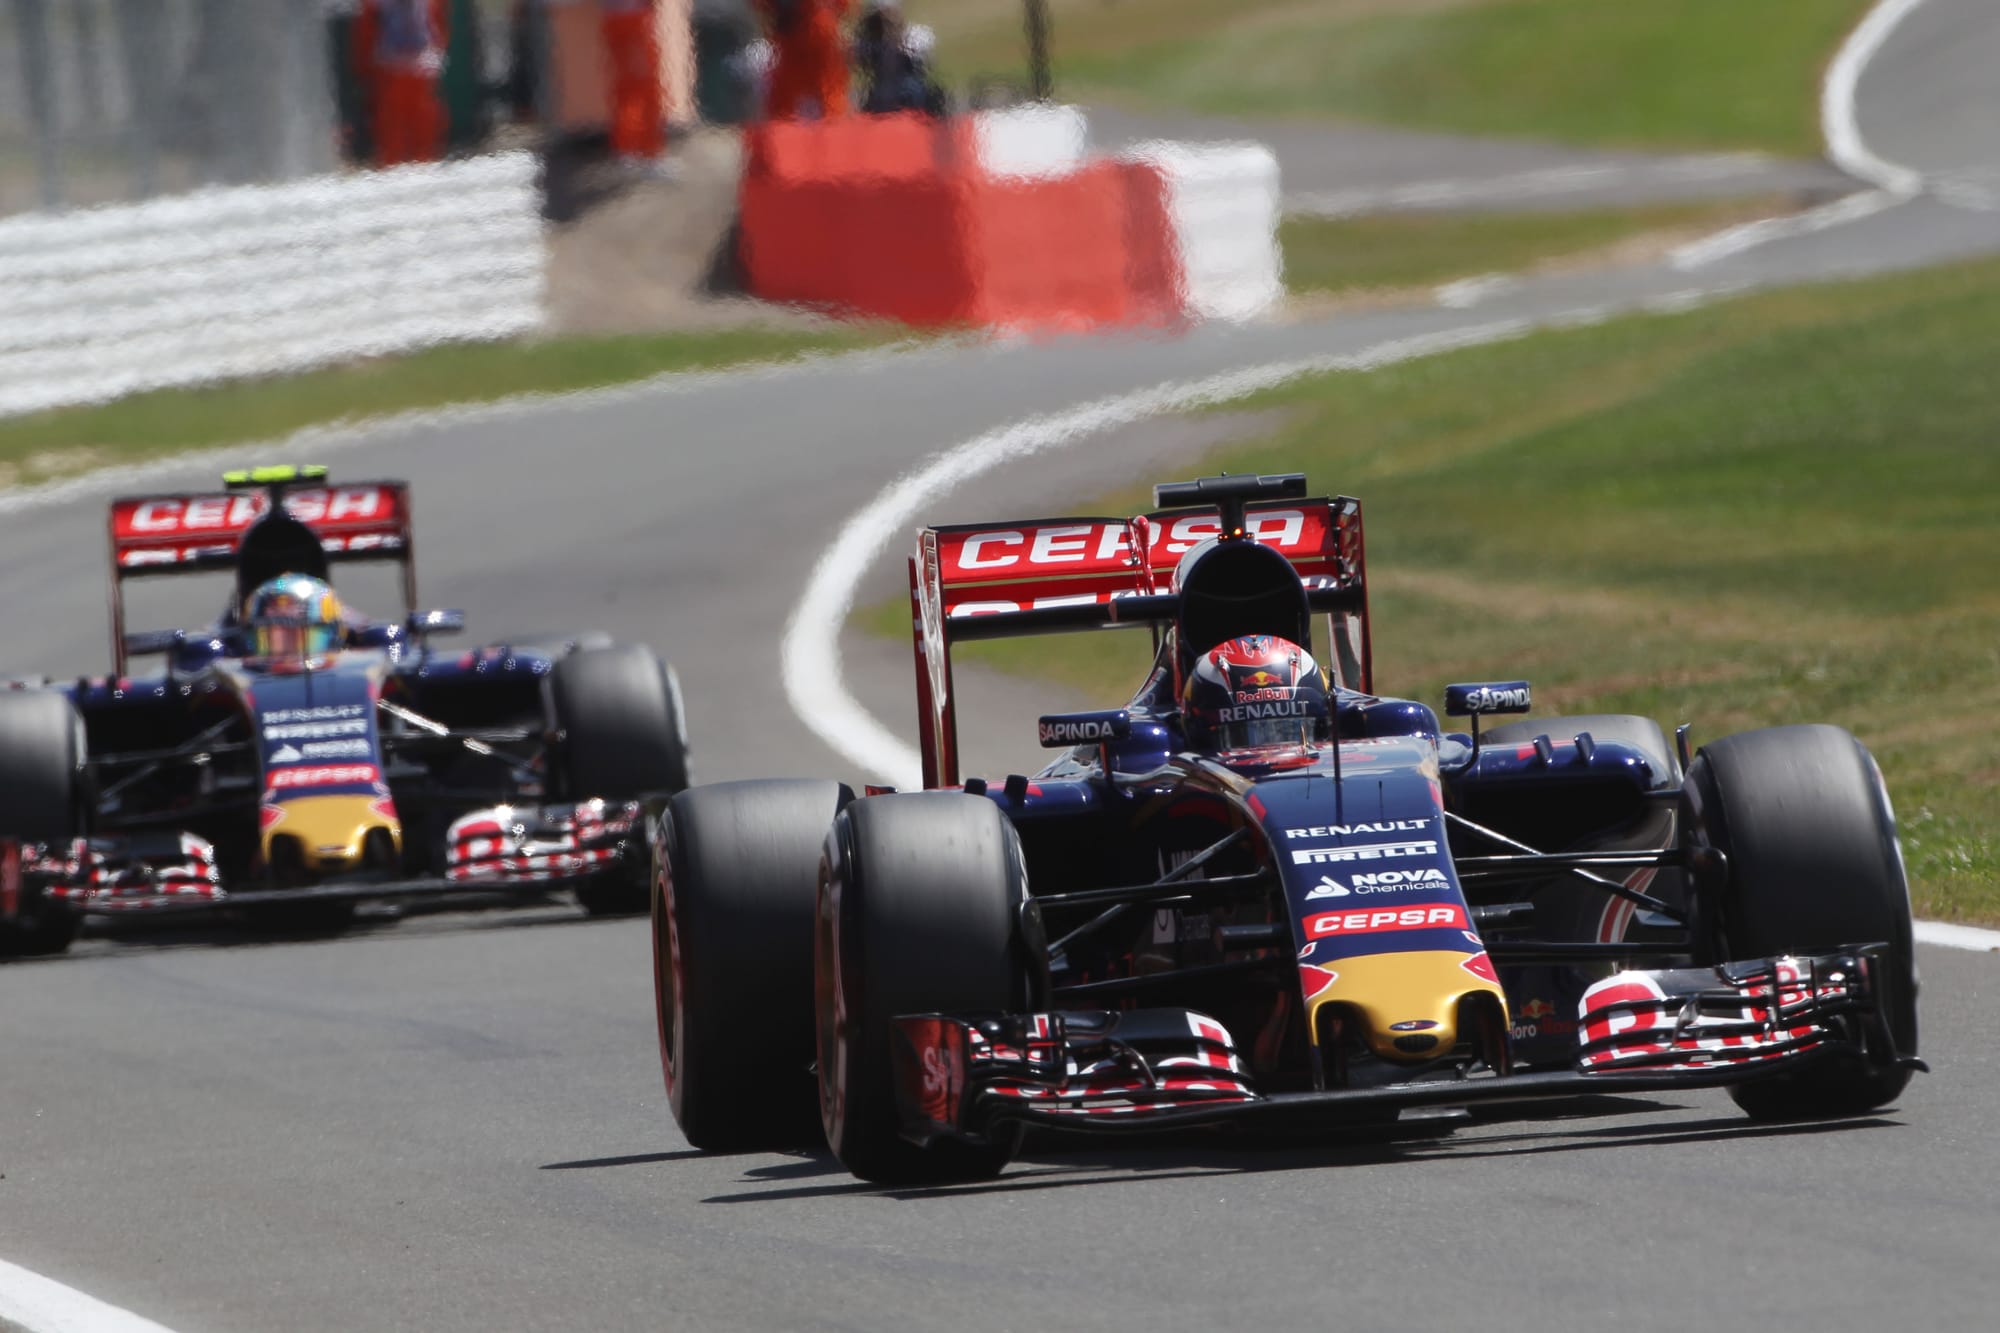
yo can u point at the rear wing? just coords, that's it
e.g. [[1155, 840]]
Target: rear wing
[[1049, 576], [200, 532]]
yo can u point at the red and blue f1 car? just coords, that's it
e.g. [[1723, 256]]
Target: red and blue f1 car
[[1378, 917], [389, 769]]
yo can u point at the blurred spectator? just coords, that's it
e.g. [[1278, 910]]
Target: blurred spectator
[[894, 59], [398, 48], [632, 50], [811, 64]]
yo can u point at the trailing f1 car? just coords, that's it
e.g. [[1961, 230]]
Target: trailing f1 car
[[294, 758], [1261, 891]]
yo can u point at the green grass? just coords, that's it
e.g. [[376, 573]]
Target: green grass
[[1784, 508], [168, 421], [1717, 74], [1340, 255]]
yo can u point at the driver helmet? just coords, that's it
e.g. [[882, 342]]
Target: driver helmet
[[293, 618], [1255, 692]]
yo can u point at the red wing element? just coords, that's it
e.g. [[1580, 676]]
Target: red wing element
[[1041, 576], [170, 533]]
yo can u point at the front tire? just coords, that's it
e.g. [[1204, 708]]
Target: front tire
[[920, 903], [623, 737], [1804, 823], [736, 867], [42, 785]]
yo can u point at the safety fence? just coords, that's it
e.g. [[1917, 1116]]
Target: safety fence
[[99, 303], [1004, 220]]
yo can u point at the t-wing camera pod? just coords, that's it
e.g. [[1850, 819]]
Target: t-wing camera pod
[[1229, 494]]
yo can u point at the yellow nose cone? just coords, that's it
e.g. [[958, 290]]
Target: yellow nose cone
[[331, 832], [1407, 1004]]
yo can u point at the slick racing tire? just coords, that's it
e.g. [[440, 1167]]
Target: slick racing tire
[[623, 736], [1812, 863], [920, 900], [42, 801], [735, 873]]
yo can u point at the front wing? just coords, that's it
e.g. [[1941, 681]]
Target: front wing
[[1152, 1069], [506, 849]]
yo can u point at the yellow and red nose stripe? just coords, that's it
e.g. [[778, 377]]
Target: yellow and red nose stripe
[[330, 830], [1398, 995]]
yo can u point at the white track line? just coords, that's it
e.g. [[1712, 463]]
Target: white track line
[[40, 1305], [1948, 936], [1735, 240], [814, 680], [1844, 145], [1838, 122]]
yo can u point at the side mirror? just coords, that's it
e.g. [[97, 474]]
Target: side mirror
[[1060, 731], [436, 622], [1507, 696], [1478, 700], [147, 643]]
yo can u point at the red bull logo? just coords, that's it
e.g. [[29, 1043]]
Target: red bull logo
[[1262, 678], [1535, 1009]]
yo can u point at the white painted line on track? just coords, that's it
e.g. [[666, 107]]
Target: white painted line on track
[[1893, 184], [1949, 936], [41, 1305], [1838, 121], [814, 679], [1735, 240], [1469, 292]]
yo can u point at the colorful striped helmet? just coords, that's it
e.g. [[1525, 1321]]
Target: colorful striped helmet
[[293, 618]]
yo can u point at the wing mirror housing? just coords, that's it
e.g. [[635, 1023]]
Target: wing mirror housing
[[1479, 700], [436, 622], [152, 642], [1060, 731], [1486, 698]]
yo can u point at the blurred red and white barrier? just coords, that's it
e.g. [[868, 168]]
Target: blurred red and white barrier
[[1004, 220], [1223, 200]]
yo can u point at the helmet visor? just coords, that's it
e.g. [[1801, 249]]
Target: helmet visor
[[1266, 733], [290, 638]]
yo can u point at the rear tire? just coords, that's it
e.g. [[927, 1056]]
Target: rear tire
[[1813, 863], [736, 868], [42, 786], [920, 898], [623, 738]]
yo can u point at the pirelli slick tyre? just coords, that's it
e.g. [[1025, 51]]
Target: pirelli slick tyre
[[920, 901], [621, 734], [735, 872], [42, 802], [1812, 863]]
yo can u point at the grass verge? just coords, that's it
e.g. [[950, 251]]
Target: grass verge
[[68, 440], [1349, 255], [1715, 74], [1778, 509]]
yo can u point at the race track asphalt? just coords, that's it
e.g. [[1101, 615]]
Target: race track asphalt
[[455, 1121]]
